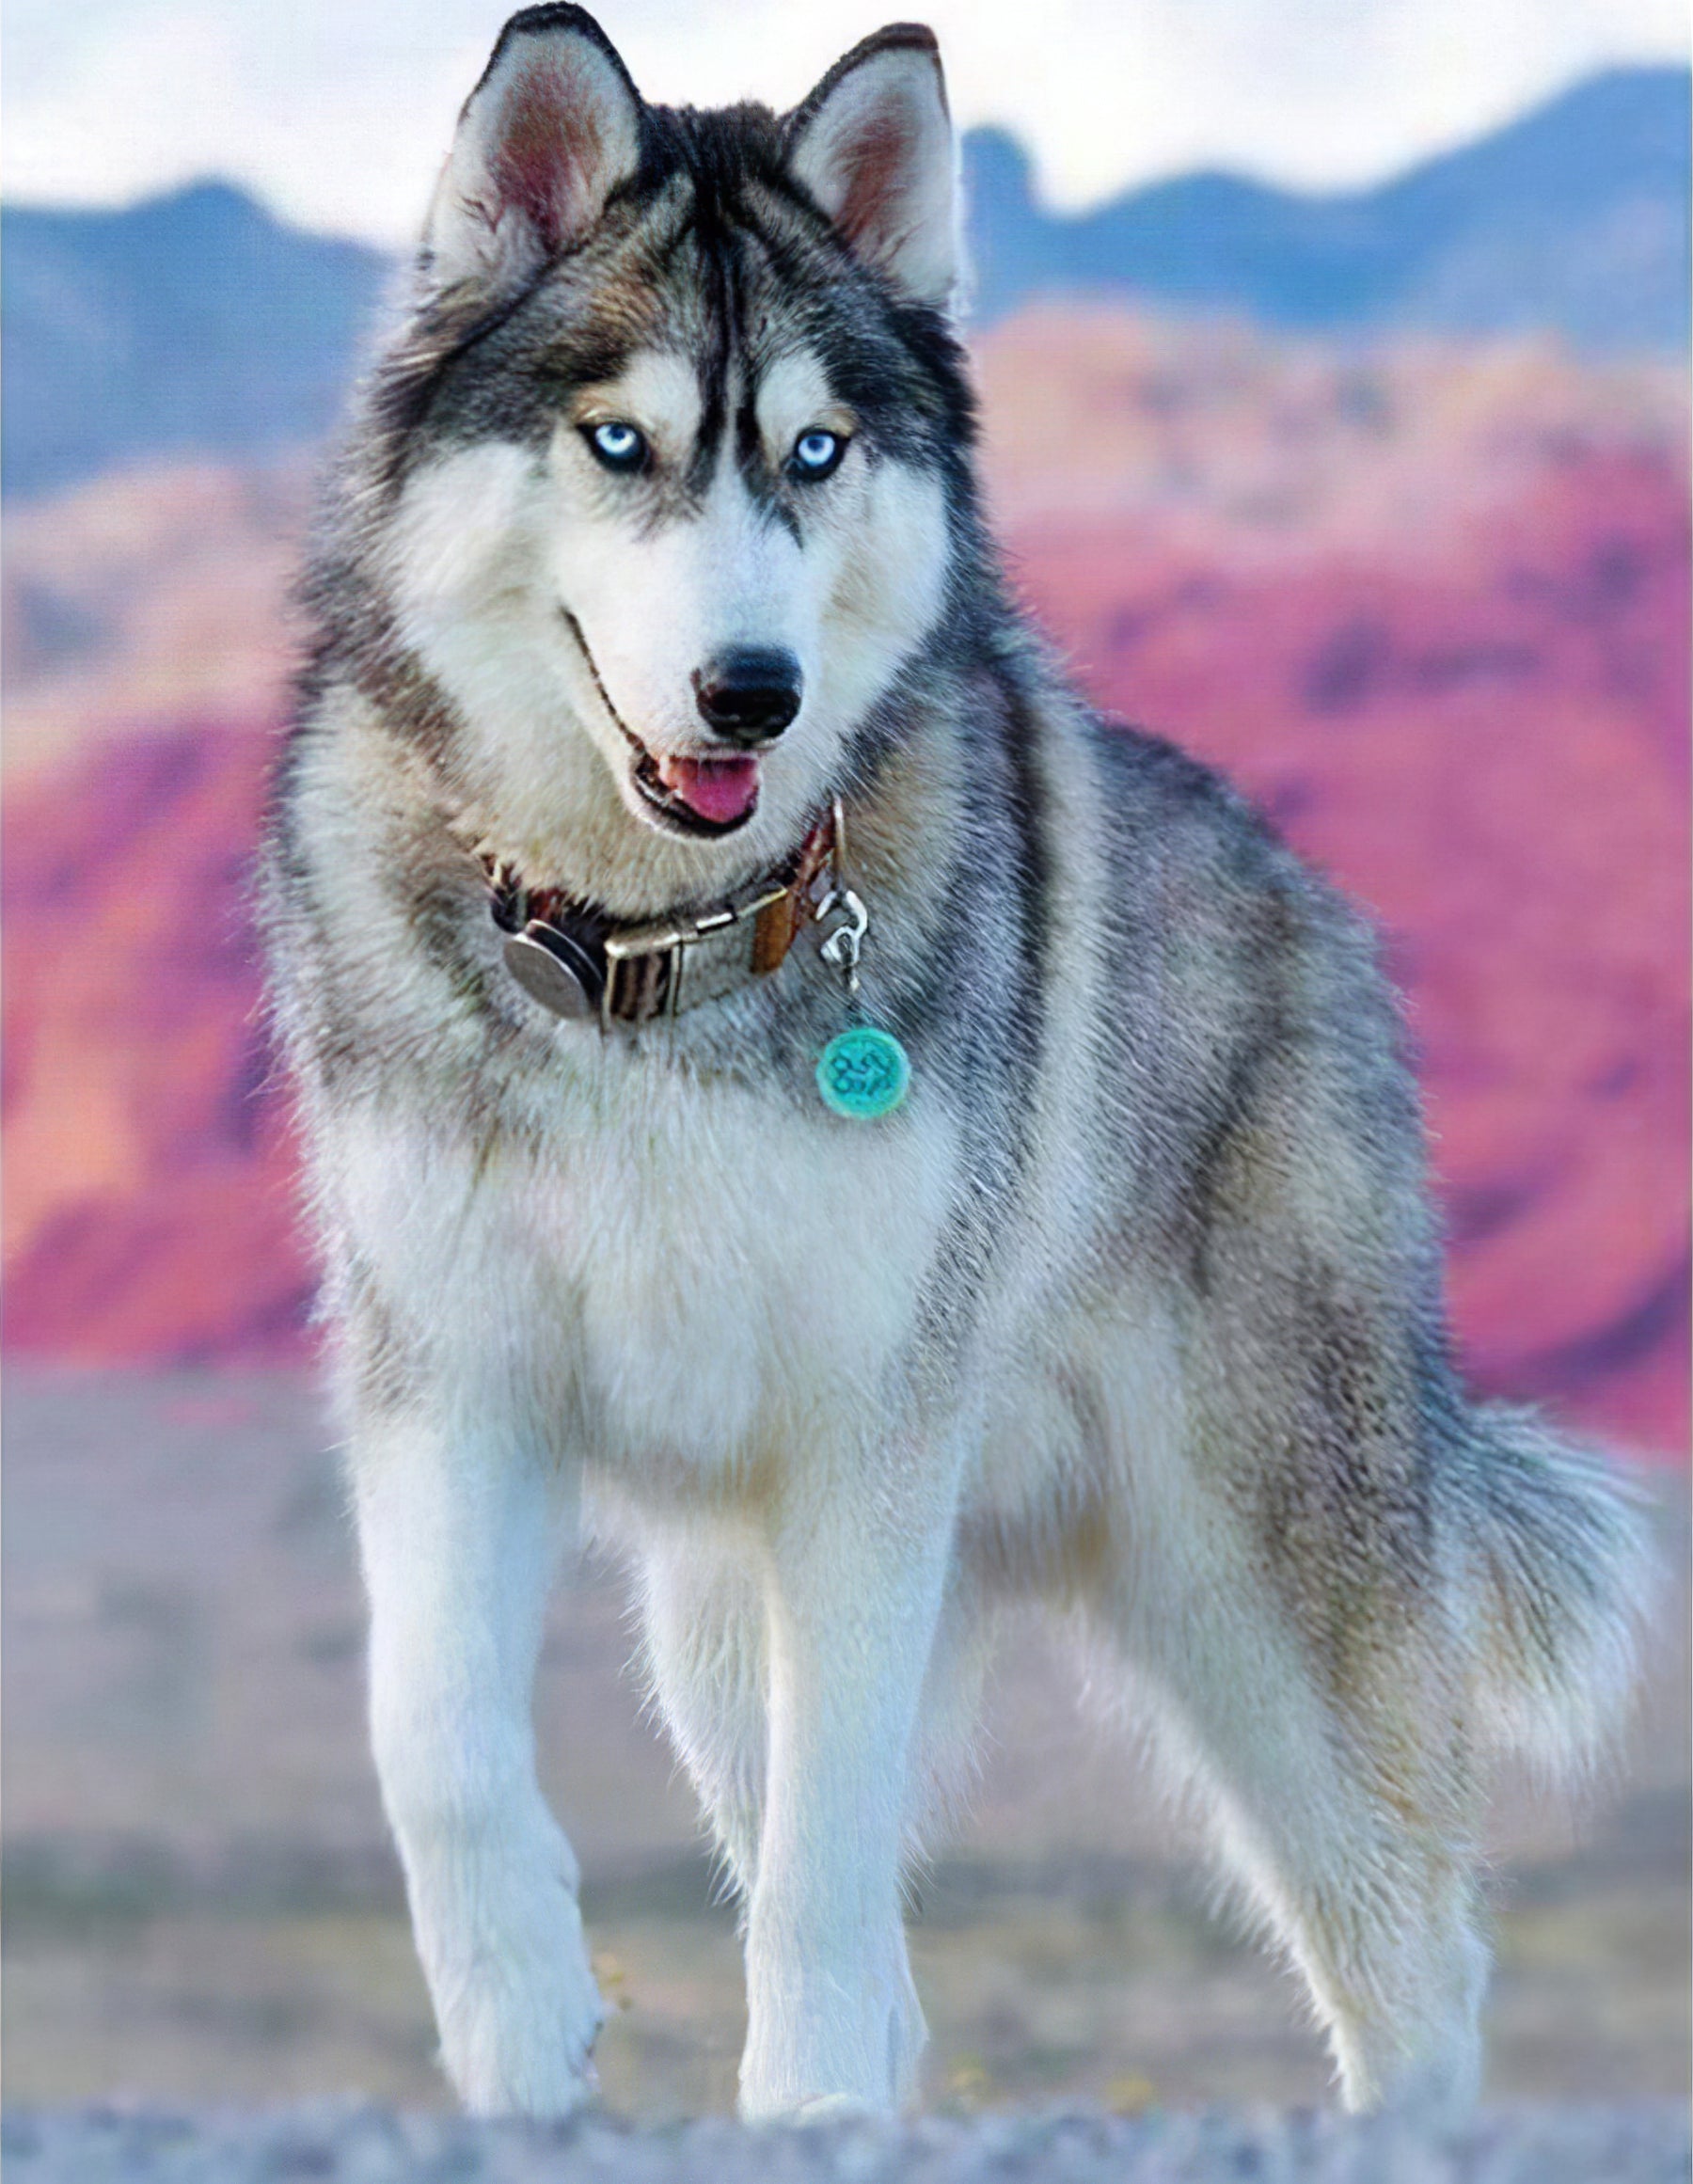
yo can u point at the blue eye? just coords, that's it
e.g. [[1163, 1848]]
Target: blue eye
[[816, 453], [618, 446]]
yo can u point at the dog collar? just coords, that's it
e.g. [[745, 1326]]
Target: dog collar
[[580, 962]]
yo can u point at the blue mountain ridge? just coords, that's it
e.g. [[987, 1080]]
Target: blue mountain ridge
[[1574, 218], [192, 323], [198, 323]]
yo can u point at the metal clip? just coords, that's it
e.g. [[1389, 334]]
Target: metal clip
[[842, 949], [844, 946]]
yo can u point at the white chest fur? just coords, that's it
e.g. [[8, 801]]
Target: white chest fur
[[676, 1276]]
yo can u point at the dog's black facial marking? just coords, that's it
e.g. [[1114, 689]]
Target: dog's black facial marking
[[718, 278], [1031, 859], [711, 251], [519, 382]]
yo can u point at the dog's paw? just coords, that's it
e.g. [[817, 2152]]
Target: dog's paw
[[832, 2108], [519, 2024], [832, 2059]]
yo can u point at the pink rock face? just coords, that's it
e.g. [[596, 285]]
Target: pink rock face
[[151, 1197], [1432, 615], [1490, 754]]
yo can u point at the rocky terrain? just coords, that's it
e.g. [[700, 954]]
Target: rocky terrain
[[197, 324], [203, 1906], [1427, 603], [1543, 2146]]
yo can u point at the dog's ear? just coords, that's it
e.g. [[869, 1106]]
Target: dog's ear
[[874, 146], [544, 139]]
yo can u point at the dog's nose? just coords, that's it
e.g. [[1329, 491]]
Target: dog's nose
[[748, 697]]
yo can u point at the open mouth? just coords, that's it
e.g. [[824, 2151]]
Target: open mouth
[[698, 796], [690, 796]]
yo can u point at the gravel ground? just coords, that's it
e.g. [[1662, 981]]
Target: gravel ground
[[203, 1906], [1646, 2142]]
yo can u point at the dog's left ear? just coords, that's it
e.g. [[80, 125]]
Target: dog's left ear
[[874, 146]]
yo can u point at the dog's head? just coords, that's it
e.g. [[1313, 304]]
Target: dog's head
[[678, 440]]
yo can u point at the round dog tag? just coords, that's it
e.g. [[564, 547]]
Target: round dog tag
[[555, 970], [863, 1072]]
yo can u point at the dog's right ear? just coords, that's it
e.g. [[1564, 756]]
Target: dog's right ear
[[544, 139]]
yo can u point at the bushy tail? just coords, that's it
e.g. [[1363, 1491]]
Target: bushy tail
[[1566, 1576]]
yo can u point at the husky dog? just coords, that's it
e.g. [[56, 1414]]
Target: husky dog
[[668, 724]]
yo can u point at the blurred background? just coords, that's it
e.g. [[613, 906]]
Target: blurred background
[[1334, 362]]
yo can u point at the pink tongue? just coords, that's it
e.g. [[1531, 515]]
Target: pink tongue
[[720, 789]]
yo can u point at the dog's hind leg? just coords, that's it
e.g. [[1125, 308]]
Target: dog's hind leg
[[703, 1625], [458, 1531], [1343, 1807], [706, 1659]]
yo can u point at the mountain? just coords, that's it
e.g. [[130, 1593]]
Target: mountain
[[1428, 607], [1574, 219], [196, 323], [155, 1180]]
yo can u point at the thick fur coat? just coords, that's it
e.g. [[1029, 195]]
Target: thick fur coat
[[1133, 1309]]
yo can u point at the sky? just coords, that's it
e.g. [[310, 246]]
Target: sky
[[339, 112]]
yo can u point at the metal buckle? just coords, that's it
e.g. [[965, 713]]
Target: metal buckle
[[649, 968]]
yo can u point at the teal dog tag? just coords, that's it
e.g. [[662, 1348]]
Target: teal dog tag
[[863, 1072]]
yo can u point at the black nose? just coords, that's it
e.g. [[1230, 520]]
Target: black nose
[[748, 697]]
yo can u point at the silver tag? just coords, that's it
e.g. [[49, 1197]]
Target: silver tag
[[555, 970]]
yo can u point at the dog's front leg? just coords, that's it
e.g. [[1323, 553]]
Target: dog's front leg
[[855, 1585], [459, 1534]]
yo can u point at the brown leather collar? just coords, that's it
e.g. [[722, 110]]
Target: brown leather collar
[[578, 961]]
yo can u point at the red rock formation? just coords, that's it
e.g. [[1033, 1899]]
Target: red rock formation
[[1492, 755], [148, 1201], [1448, 654]]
